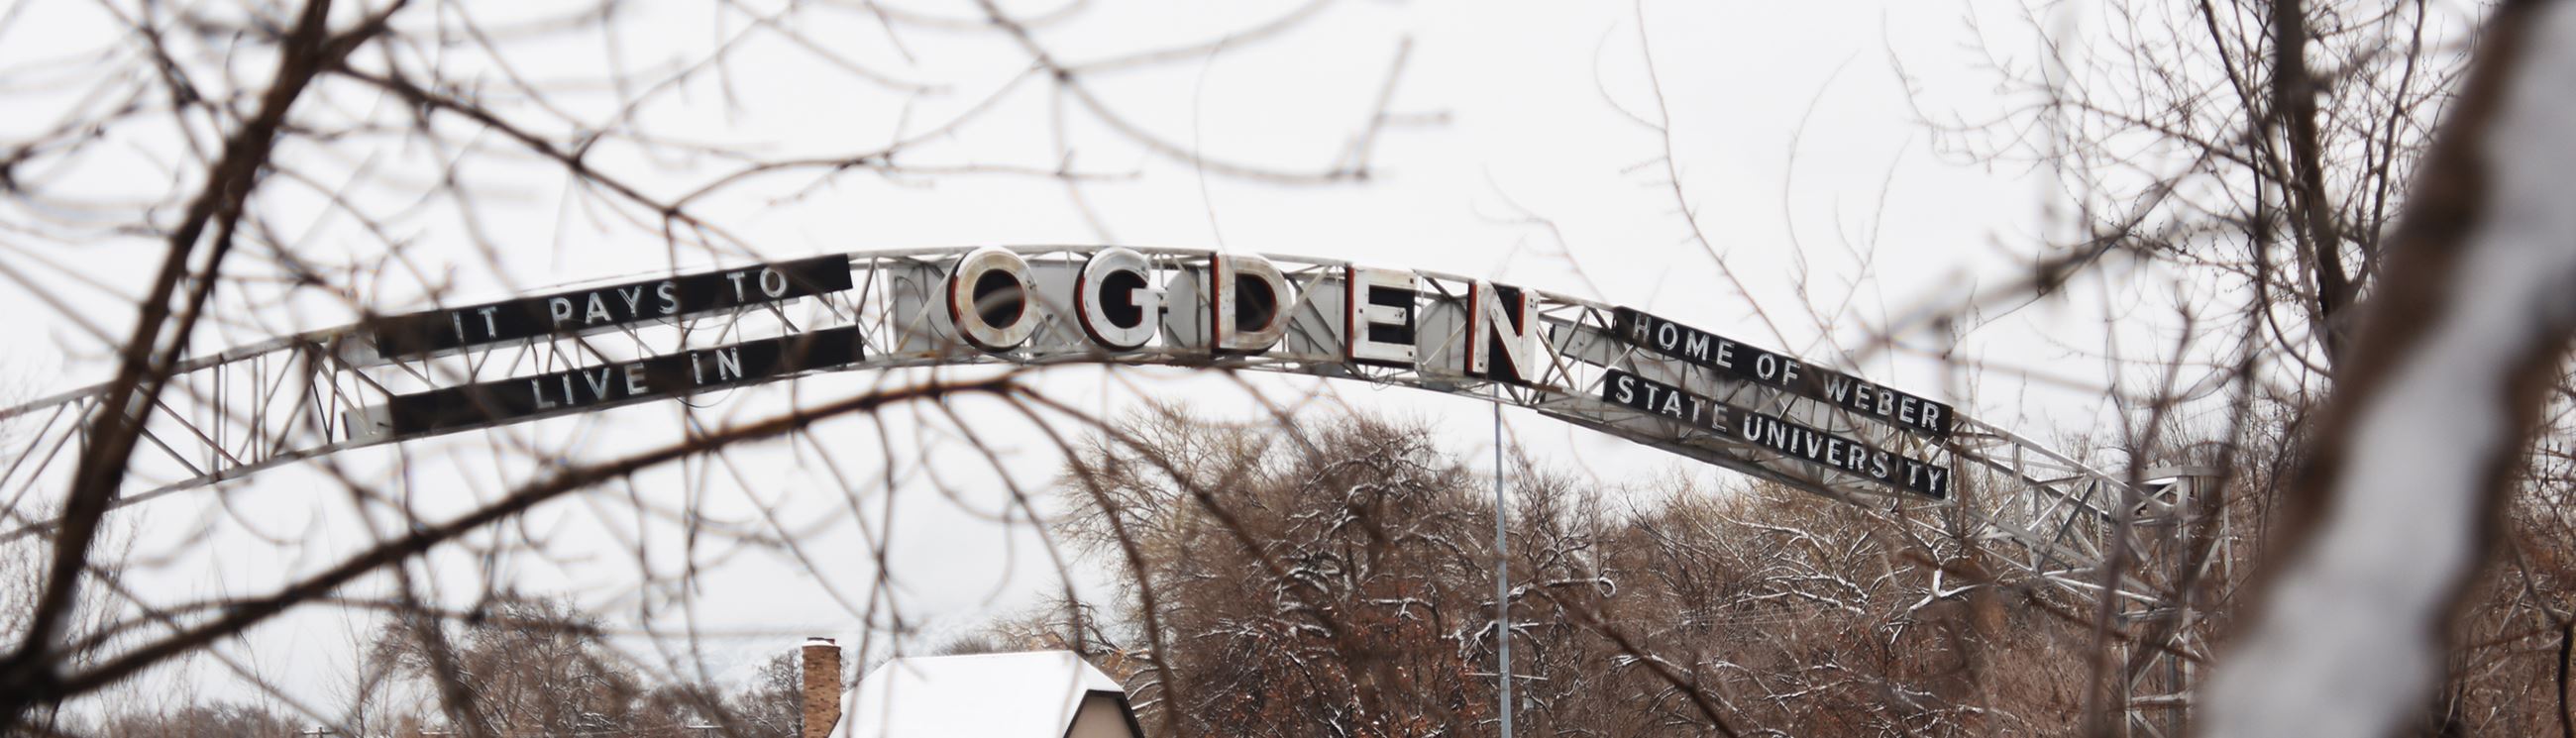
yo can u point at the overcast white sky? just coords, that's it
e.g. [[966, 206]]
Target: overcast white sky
[[1797, 144]]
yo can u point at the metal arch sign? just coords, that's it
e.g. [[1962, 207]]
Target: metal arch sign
[[1604, 367], [1625, 373], [2054, 521]]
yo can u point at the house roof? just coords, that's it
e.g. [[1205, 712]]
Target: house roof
[[1032, 694]]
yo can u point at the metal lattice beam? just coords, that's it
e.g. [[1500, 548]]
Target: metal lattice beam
[[267, 405]]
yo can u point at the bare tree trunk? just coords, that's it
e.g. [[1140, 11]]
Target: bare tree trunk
[[2435, 403], [2294, 106]]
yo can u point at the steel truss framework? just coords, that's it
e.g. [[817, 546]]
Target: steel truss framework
[[2058, 526]]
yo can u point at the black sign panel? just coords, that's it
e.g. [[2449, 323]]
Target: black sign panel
[[416, 334], [1755, 365], [1794, 439], [618, 384]]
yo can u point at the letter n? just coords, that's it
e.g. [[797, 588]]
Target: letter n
[[1503, 322]]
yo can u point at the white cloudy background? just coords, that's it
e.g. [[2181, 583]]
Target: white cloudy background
[[1514, 150]]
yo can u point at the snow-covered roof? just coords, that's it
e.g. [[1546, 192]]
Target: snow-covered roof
[[1033, 694]]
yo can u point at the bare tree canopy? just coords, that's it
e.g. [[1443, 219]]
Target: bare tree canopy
[[503, 369]]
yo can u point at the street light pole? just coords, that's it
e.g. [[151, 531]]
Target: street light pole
[[1502, 573]]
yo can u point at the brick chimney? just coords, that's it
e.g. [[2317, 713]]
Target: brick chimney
[[822, 686]]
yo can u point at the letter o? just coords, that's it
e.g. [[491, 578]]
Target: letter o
[[991, 299], [773, 282]]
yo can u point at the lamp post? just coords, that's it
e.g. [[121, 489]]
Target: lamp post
[[1502, 574]]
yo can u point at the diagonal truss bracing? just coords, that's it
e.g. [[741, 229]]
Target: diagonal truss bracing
[[2054, 520]]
